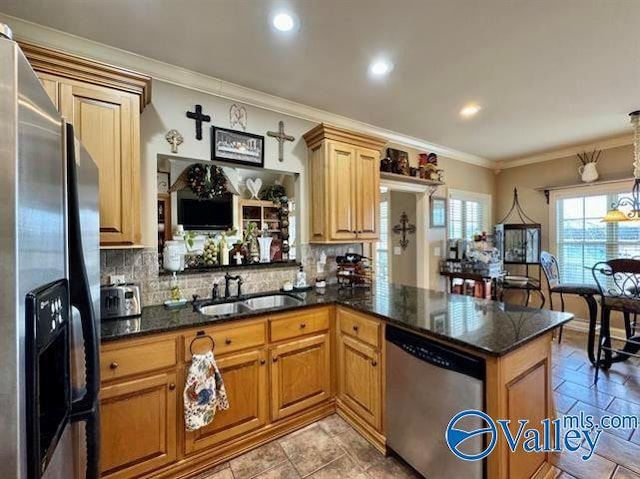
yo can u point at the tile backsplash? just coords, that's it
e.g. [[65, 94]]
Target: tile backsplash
[[140, 266]]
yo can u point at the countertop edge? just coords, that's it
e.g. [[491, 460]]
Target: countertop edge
[[207, 321]]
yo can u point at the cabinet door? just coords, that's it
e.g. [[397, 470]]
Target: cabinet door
[[138, 425], [300, 375], [367, 194], [342, 191], [107, 123], [245, 380], [51, 85], [360, 379]]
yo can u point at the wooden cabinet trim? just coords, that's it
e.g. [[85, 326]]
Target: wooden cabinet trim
[[325, 131], [67, 65]]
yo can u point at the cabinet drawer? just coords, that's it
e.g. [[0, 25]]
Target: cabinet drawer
[[358, 326], [298, 324], [227, 339], [129, 359]]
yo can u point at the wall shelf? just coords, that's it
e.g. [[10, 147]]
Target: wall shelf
[[546, 190], [425, 185]]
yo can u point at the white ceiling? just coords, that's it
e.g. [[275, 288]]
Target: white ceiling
[[547, 73]]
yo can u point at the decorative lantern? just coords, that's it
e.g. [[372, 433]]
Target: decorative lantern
[[518, 242]]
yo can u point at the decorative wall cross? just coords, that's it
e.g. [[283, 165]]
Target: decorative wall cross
[[281, 136], [405, 228], [199, 118]]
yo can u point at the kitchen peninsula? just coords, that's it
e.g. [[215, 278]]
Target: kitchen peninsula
[[288, 363]]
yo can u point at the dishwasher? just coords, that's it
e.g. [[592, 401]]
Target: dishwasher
[[427, 384]]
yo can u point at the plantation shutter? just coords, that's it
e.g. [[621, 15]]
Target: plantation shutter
[[469, 214], [582, 239]]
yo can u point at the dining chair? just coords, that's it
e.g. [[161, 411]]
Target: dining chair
[[618, 283], [588, 292]]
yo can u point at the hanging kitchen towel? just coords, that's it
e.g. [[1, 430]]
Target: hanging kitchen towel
[[204, 392]]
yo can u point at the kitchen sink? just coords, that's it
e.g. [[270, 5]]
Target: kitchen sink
[[271, 301], [222, 309]]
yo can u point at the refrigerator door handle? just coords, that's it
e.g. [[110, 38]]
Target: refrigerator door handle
[[86, 408]]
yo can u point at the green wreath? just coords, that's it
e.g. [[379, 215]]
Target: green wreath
[[207, 181]]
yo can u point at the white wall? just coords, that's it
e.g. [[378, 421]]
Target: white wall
[[168, 110]]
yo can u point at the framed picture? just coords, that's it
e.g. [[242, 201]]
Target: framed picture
[[438, 212], [237, 147]]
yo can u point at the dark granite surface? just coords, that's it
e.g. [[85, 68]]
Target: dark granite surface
[[489, 327]]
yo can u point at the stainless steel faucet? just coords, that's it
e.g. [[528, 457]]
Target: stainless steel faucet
[[227, 279]]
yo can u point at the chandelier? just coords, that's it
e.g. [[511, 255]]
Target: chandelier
[[627, 208]]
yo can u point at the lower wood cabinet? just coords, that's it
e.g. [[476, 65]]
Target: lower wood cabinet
[[138, 425], [360, 379], [300, 375], [245, 380]]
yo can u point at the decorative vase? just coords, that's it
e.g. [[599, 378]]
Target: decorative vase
[[588, 172], [265, 248]]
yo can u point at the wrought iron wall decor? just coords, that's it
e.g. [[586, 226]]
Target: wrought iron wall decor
[[404, 228]]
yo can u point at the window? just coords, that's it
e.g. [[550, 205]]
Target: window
[[469, 214], [382, 246], [582, 239]]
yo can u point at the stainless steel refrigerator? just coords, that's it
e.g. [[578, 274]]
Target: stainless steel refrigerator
[[49, 284]]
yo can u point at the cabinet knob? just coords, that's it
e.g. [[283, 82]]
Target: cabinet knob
[[303, 325], [374, 363], [172, 386], [114, 365], [355, 327], [275, 359], [227, 341], [262, 361]]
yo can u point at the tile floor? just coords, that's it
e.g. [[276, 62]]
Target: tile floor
[[618, 392], [332, 449]]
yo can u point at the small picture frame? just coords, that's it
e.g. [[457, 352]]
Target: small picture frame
[[237, 147], [438, 216]]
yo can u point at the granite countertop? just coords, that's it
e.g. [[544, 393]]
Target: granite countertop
[[488, 327]]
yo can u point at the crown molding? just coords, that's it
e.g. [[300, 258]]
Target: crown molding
[[566, 152], [49, 37]]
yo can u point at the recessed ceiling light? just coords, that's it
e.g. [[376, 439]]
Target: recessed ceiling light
[[283, 22], [470, 110], [380, 67]]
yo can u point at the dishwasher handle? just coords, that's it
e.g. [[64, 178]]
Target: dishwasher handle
[[436, 353]]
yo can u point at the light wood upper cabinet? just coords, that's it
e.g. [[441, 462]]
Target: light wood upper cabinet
[[368, 194], [51, 85], [300, 375], [342, 188], [344, 183], [108, 125], [245, 380], [138, 425], [103, 102]]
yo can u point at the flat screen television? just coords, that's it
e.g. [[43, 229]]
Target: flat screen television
[[213, 214]]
